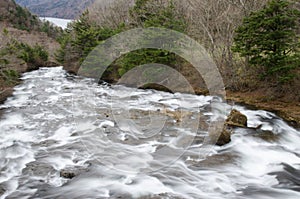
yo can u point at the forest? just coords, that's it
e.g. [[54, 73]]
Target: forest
[[255, 45]]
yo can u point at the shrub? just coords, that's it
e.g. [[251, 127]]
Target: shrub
[[35, 55], [10, 76], [268, 40]]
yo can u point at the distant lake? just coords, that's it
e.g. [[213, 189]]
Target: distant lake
[[57, 21]]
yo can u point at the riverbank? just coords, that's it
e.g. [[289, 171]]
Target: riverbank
[[7, 87], [289, 111], [5, 93]]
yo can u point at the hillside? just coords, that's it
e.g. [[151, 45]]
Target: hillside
[[26, 43], [56, 8]]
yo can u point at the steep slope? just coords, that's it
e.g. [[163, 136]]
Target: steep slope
[[26, 43], [18, 17], [56, 8]]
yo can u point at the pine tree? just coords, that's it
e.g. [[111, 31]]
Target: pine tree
[[86, 35], [269, 41]]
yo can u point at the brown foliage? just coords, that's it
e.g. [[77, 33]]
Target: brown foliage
[[111, 13]]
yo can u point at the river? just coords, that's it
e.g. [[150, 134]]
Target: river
[[63, 23], [56, 123]]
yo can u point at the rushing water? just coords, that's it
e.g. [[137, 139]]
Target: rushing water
[[55, 122]]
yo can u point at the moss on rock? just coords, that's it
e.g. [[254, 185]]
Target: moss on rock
[[236, 118]]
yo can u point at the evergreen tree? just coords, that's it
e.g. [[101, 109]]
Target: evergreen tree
[[148, 14], [268, 39], [85, 35], [88, 35]]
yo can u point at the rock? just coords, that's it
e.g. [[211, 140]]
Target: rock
[[2, 190], [219, 133], [51, 64], [224, 138], [267, 136], [75, 135], [4, 94], [156, 87], [71, 172], [161, 195], [47, 143], [177, 115], [214, 160], [67, 173], [38, 168], [236, 118]]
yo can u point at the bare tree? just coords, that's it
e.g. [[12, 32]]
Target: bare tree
[[110, 13], [213, 23]]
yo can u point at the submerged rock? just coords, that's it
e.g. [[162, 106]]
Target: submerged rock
[[2, 190], [214, 160], [177, 115], [265, 135], [161, 195], [156, 87], [38, 168], [236, 118], [289, 178]]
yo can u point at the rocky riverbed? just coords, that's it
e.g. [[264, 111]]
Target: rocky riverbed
[[67, 137]]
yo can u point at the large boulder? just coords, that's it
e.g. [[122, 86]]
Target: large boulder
[[236, 118], [219, 133], [224, 138]]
